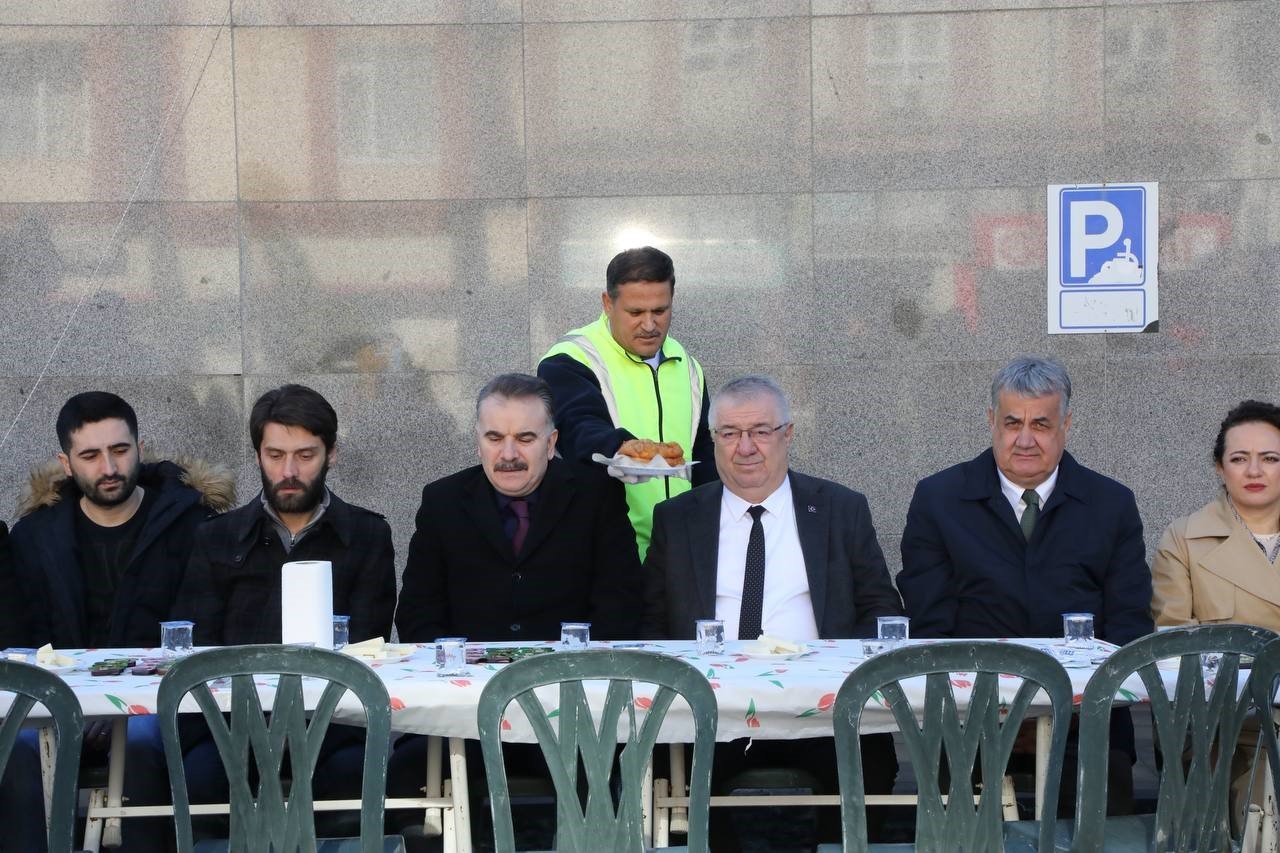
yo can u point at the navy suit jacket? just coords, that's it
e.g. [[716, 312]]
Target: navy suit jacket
[[968, 571], [849, 583]]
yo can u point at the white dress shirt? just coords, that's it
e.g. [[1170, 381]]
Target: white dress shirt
[[788, 609], [1013, 493]]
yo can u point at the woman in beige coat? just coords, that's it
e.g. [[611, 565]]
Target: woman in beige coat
[[1218, 564]]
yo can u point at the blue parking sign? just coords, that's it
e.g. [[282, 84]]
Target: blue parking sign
[[1101, 229], [1102, 257]]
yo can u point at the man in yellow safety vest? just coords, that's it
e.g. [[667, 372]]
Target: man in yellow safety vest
[[623, 378]]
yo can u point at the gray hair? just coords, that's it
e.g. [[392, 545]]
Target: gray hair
[[518, 386], [752, 387], [1033, 376]]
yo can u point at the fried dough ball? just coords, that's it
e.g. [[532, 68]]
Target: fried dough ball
[[639, 448], [672, 452]]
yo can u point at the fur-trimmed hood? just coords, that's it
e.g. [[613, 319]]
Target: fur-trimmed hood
[[47, 484]]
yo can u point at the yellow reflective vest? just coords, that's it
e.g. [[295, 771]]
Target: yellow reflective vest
[[662, 404]]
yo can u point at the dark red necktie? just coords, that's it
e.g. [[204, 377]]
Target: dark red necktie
[[520, 507]]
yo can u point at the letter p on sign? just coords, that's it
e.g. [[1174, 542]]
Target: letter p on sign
[[1082, 239]]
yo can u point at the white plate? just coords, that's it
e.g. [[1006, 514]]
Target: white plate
[[641, 469], [389, 654], [777, 656]]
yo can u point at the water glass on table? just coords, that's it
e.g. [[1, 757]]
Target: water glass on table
[[1077, 630], [175, 638], [341, 631], [892, 630], [710, 636], [451, 656], [574, 636]]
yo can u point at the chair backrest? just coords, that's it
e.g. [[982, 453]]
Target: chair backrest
[[253, 736], [29, 685], [1263, 685], [970, 715], [1196, 727], [571, 736]]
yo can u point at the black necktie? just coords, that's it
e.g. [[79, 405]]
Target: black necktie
[[1029, 515], [753, 580]]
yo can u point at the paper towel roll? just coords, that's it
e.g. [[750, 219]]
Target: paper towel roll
[[306, 603]]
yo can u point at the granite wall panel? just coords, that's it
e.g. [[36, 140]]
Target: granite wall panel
[[393, 201]]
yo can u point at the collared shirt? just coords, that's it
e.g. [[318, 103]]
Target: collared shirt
[[1013, 493], [788, 608], [288, 539]]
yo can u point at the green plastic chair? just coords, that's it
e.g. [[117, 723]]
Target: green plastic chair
[[979, 736], [29, 685], [1263, 684], [1196, 730], [257, 741], [571, 734]]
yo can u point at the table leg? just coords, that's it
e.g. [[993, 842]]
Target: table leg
[[115, 779], [678, 820], [1044, 735], [662, 817], [432, 825], [461, 806]]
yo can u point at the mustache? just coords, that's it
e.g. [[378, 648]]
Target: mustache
[[290, 483], [113, 478], [511, 465]]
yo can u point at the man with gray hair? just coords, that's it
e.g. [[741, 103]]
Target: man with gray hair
[[1004, 544], [769, 550], [508, 549]]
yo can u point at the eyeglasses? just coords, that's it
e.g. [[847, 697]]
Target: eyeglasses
[[759, 434]]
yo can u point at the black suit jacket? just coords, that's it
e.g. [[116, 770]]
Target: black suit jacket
[[579, 561], [968, 571], [849, 583]]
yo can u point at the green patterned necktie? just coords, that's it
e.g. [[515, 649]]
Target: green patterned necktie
[[1032, 513]]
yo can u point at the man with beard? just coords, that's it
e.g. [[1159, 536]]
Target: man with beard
[[97, 559], [232, 585]]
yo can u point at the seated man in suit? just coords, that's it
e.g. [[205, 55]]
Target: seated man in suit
[[1004, 544], [508, 549], [769, 550]]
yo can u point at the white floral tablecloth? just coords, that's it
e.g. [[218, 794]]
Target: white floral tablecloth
[[768, 699]]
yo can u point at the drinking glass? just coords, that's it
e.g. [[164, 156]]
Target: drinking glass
[[341, 631], [574, 636], [871, 648], [893, 629], [1077, 629], [451, 656], [175, 638], [710, 636]]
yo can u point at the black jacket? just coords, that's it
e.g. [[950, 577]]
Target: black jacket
[[232, 584], [849, 584], [12, 609], [47, 565], [578, 563]]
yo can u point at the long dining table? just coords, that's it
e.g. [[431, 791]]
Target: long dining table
[[759, 696]]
